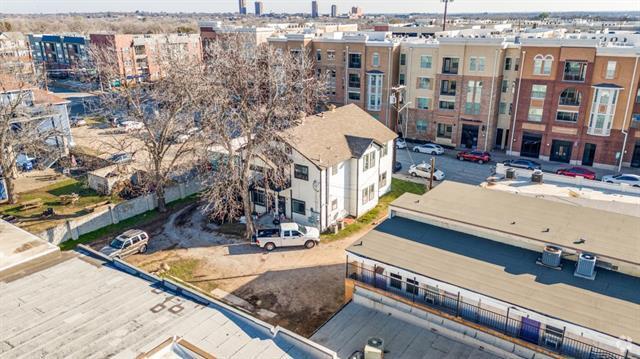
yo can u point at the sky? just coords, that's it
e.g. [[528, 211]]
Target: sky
[[293, 6]]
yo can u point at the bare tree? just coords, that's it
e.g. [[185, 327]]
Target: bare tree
[[253, 93], [26, 127], [163, 109]]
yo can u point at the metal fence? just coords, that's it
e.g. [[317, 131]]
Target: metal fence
[[529, 330]]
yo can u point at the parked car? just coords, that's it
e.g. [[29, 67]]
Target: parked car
[[430, 148], [522, 163], [397, 166], [129, 126], [130, 242], [475, 156], [424, 170], [630, 179], [577, 171], [287, 235], [122, 157], [401, 143]]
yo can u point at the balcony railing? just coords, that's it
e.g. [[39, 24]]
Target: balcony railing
[[598, 131], [521, 328]]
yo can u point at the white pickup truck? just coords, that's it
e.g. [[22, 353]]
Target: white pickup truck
[[287, 235]]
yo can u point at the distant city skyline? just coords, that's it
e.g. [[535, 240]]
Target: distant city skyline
[[304, 6]]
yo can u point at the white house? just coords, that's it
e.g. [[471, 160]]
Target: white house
[[342, 162]]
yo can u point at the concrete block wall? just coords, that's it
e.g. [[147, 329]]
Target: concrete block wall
[[73, 229]]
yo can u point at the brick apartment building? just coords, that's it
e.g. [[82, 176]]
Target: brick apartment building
[[362, 67], [59, 54], [138, 54], [575, 103], [15, 53]]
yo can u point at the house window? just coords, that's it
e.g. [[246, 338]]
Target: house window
[[567, 116], [505, 86], [369, 161], [421, 126], [412, 286], [368, 194], [298, 206], [319, 55], [450, 65], [395, 281], [516, 65], [257, 196], [503, 108], [611, 70], [354, 95], [385, 150], [507, 64], [334, 204], [354, 61], [424, 83], [301, 172], [374, 92], [447, 105], [476, 64], [382, 180], [474, 96], [570, 97], [354, 80], [448, 87], [538, 91], [444, 130], [535, 114], [375, 59], [423, 103], [425, 62], [331, 55], [331, 82], [542, 64], [401, 79], [403, 59], [575, 71]]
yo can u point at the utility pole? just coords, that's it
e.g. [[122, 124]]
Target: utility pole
[[444, 18], [433, 169]]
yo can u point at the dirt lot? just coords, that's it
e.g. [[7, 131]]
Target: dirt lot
[[296, 288]]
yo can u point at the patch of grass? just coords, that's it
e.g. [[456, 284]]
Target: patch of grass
[[114, 229], [398, 187], [182, 269]]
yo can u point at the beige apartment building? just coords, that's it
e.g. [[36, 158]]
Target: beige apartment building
[[361, 67], [138, 55], [454, 90]]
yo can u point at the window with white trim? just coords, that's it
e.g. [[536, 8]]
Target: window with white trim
[[368, 161], [368, 194], [375, 59], [602, 111], [538, 91], [535, 114], [374, 102], [423, 103], [474, 96], [425, 61], [424, 83], [542, 64], [611, 70]]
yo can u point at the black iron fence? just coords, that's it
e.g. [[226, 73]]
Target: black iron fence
[[546, 336]]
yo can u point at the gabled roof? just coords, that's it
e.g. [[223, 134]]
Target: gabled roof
[[334, 136], [47, 98]]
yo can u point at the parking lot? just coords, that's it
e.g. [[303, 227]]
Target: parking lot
[[474, 173]]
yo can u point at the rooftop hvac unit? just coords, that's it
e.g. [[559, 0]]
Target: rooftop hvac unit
[[551, 257], [586, 267], [374, 349]]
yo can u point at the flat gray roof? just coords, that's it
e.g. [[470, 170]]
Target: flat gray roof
[[605, 233], [349, 330], [17, 247], [609, 304], [84, 307]]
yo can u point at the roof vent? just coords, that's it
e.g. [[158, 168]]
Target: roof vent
[[551, 257], [586, 266]]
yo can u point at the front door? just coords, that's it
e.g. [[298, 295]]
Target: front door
[[561, 151], [635, 160], [282, 205], [498, 143], [469, 137], [530, 145], [588, 154]]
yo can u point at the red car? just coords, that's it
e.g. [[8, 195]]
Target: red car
[[577, 171], [475, 156]]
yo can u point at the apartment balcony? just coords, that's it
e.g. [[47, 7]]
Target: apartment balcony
[[598, 131]]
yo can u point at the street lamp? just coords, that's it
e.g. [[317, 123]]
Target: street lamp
[[444, 18]]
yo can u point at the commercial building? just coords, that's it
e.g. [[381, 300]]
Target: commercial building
[[342, 163], [259, 8], [314, 9], [334, 10], [61, 55], [15, 54], [81, 304], [361, 67], [242, 7], [138, 56], [356, 12], [536, 276], [576, 101]]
